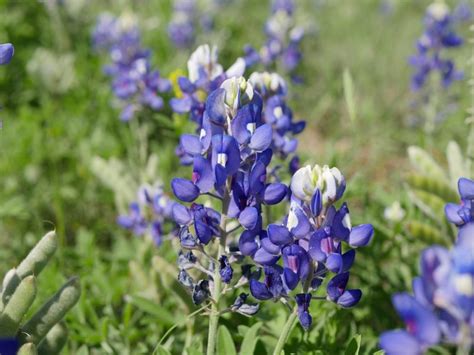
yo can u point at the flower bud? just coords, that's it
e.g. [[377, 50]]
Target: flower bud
[[329, 181], [238, 92]]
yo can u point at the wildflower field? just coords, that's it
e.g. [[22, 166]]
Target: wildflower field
[[237, 177]]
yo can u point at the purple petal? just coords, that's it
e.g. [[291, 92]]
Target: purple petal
[[247, 244], [291, 278], [466, 188], [203, 176], [265, 258], [334, 262], [181, 105], [316, 203], [337, 285], [191, 144], [452, 214], [215, 106]]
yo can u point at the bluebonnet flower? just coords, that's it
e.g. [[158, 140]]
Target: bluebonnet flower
[[441, 310], [205, 75], [149, 214], [309, 242], [438, 35], [182, 26], [277, 113], [134, 82], [463, 215], [283, 40], [6, 53]]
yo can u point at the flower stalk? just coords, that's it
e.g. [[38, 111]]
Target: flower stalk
[[285, 334]]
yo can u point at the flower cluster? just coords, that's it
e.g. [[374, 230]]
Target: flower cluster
[[283, 40], [149, 214], [315, 239], [205, 75], [442, 307], [181, 28], [273, 90], [133, 80], [231, 158], [438, 35]]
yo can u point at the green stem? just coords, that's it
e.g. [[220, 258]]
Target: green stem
[[216, 293], [290, 323]]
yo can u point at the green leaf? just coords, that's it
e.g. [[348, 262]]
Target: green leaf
[[160, 350], [422, 161], [354, 345], [225, 344], [162, 315], [250, 340], [348, 85], [379, 352]]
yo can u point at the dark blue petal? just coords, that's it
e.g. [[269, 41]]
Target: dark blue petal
[[337, 285], [291, 278], [258, 176], [348, 259], [316, 203], [186, 85], [184, 189], [270, 247], [259, 290]]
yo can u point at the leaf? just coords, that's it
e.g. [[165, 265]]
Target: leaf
[[434, 186], [250, 340], [225, 344], [431, 205], [160, 350], [354, 345], [348, 86], [162, 314], [425, 232]]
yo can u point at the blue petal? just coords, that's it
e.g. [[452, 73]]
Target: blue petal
[[466, 188], [259, 290], [316, 203], [215, 106], [337, 285], [184, 189], [257, 178], [334, 262], [279, 235], [274, 193], [191, 144], [247, 244], [349, 298], [186, 85], [291, 278], [261, 138], [263, 257], [203, 176], [181, 105], [6, 53], [452, 214], [348, 259], [181, 214], [249, 217], [400, 342], [421, 322], [361, 235], [270, 247]]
